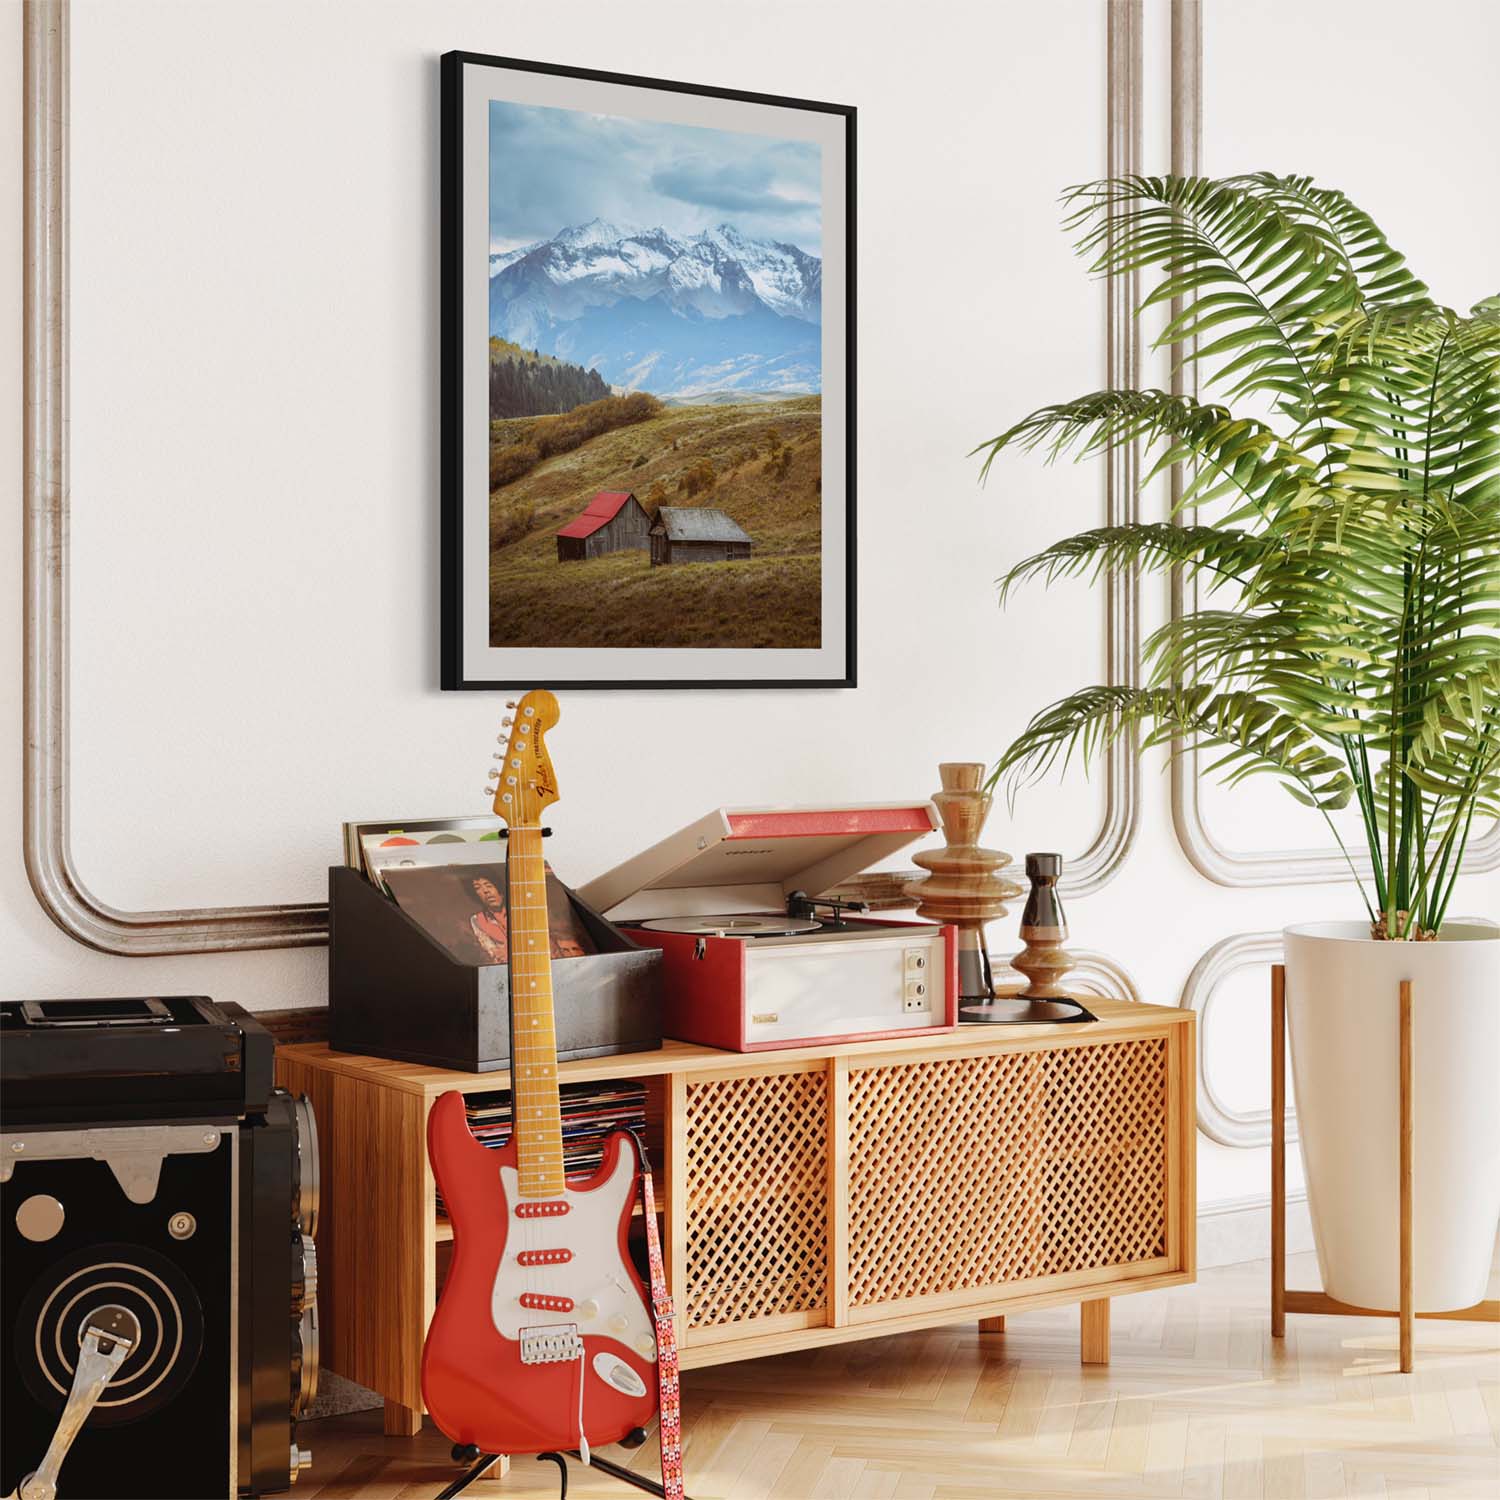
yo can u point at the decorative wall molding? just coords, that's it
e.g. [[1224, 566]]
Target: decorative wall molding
[[1216, 1119], [63, 895], [1103, 975], [1122, 636], [49, 861], [1208, 854]]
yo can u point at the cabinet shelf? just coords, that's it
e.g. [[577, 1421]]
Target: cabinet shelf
[[809, 1196]]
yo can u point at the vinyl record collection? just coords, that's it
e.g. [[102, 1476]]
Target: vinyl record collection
[[590, 1111]]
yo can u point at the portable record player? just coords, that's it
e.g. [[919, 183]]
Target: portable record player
[[753, 959]]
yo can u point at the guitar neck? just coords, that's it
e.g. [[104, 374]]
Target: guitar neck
[[533, 1051]]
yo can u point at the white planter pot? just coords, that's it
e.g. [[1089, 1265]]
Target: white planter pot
[[1343, 998]]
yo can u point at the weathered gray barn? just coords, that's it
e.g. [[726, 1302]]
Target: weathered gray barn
[[696, 533], [614, 521]]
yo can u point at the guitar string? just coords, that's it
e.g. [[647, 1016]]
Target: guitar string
[[538, 1049], [529, 1051]]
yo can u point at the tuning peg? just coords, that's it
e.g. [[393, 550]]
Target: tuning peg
[[510, 702], [506, 722], [498, 755]]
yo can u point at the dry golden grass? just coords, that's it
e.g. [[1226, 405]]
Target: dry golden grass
[[767, 461]]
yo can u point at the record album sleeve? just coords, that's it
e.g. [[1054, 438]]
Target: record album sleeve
[[463, 908]]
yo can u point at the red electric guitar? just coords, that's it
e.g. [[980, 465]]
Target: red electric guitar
[[543, 1337]]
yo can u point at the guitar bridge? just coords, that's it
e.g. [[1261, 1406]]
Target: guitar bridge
[[554, 1344]]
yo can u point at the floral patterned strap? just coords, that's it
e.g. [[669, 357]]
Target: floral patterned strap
[[666, 1351]]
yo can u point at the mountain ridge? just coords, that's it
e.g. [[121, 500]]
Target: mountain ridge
[[641, 305]]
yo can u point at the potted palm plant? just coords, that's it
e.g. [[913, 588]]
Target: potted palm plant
[[1343, 539]]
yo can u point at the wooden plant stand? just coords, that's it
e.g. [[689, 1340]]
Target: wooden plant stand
[[1284, 1301], [808, 1196]]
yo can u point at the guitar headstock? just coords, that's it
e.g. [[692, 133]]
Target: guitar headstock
[[526, 784]]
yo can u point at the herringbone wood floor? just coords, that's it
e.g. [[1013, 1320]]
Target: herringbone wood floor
[[1197, 1402]]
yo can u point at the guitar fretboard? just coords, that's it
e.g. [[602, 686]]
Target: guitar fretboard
[[533, 1052]]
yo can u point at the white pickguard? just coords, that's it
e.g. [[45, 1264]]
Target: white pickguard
[[605, 1301]]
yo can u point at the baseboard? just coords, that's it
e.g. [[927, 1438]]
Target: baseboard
[[1240, 1229], [307, 1023]]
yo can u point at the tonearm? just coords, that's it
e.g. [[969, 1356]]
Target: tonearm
[[800, 904]]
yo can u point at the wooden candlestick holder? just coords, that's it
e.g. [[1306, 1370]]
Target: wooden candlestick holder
[[964, 886], [1044, 930]]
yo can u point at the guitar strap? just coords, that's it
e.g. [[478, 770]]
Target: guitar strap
[[670, 1402]]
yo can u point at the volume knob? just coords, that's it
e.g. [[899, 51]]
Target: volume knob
[[619, 1323], [589, 1309]]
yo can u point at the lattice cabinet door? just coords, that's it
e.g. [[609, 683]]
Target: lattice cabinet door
[[969, 1174], [756, 1188]]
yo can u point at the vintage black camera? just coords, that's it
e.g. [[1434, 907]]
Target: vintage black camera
[[159, 1289]]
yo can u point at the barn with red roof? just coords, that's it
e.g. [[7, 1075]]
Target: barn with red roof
[[613, 521]]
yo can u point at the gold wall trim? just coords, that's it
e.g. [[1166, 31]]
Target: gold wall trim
[[46, 842], [1207, 853]]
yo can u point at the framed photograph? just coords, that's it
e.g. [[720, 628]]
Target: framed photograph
[[647, 382]]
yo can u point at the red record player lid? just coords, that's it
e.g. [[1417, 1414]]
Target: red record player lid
[[752, 858]]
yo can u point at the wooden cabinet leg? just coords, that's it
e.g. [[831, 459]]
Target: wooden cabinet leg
[[1093, 1327], [401, 1421], [992, 1325]]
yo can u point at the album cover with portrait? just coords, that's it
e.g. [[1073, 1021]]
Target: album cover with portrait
[[463, 908]]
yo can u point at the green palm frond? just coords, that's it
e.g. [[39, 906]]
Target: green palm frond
[[1378, 270], [1355, 535], [1219, 554], [1238, 457], [1250, 733], [1255, 277]]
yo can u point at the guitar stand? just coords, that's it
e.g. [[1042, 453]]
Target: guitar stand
[[1283, 1300], [481, 1463], [605, 1466]]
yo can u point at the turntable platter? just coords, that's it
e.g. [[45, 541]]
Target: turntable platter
[[744, 924]]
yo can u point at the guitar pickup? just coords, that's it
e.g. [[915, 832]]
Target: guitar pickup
[[544, 1257], [552, 1345], [539, 1302], [544, 1209]]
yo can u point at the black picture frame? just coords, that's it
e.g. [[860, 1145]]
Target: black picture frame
[[451, 369]]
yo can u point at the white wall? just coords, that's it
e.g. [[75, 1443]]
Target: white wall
[[254, 439]]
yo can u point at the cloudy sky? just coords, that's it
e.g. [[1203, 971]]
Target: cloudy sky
[[552, 168]]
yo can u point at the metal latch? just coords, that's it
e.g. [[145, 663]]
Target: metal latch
[[109, 1334]]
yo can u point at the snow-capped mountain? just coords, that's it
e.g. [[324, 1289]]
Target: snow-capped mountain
[[500, 259], [655, 311]]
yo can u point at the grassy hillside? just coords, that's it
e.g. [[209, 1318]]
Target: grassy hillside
[[761, 464]]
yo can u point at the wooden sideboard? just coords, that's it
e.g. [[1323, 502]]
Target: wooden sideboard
[[811, 1195]]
